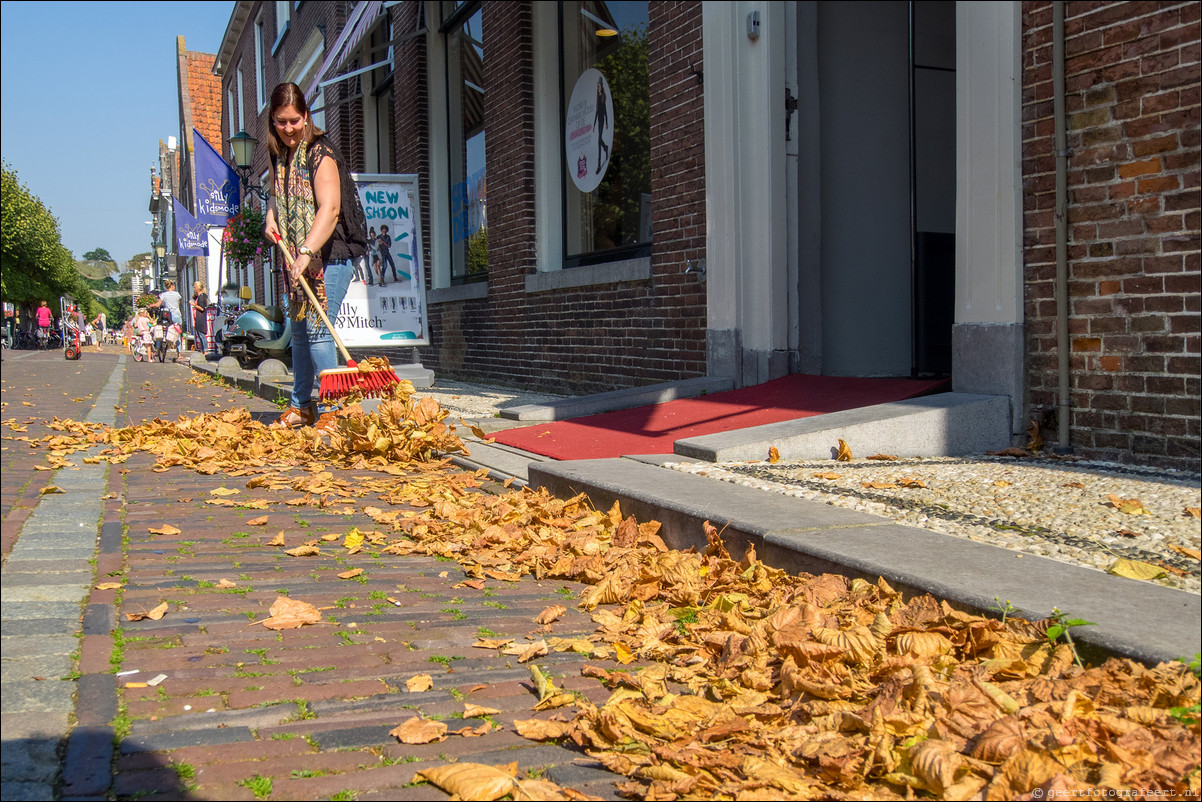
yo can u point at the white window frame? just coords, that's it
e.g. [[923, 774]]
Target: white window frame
[[260, 64], [283, 18], [241, 101], [232, 116]]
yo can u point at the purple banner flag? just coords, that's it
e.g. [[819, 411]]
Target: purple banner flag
[[191, 236], [217, 195]]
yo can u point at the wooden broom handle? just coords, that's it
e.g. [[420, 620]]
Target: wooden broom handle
[[313, 300]]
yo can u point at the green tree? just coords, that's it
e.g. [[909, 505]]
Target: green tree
[[98, 255], [34, 265], [477, 251]]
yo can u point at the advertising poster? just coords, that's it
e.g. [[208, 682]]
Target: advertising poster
[[386, 301], [589, 131]]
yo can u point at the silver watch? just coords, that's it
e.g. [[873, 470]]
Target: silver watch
[[306, 250]]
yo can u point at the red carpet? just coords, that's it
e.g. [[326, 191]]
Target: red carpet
[[653, 429]]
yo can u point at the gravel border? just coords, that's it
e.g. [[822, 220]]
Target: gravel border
[[1042, 506]]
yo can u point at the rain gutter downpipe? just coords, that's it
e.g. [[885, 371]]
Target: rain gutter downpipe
[[1064, 408]]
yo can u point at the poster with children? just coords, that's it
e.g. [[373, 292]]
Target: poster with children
[[386, 301]]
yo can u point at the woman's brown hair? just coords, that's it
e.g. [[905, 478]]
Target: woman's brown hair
[[284, 95]]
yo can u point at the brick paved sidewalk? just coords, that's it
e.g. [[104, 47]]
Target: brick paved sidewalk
[[303, 713]]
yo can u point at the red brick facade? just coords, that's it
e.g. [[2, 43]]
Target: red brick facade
[[597, 337], [1132, 101], [1133, 109]]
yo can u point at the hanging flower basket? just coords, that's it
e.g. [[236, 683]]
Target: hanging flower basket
[[243, 238]]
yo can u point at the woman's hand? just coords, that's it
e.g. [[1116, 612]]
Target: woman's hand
[[299, 265]]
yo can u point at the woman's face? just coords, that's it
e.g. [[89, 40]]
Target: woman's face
[[289, 125]]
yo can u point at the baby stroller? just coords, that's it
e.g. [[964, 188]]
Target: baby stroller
[[158, 333], [72, 333]]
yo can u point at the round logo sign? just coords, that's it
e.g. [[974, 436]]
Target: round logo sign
[[589, 130]]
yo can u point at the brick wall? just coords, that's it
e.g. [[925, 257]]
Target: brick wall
[[1132, 100], [599, 337]]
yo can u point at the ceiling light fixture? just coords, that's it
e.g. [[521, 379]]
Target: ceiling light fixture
[[603, 28]]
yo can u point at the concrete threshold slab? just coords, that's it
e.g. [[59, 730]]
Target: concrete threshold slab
[[1133, 619], [948, 424], [630, 398]]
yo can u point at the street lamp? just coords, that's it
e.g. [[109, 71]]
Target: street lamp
[[160, 251], [243, 145]]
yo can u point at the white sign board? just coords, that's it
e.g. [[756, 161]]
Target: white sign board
[[386, 301]]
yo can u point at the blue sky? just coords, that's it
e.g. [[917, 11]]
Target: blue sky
[[87, 90]]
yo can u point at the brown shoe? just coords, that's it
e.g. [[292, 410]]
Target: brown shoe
[[293, 417]]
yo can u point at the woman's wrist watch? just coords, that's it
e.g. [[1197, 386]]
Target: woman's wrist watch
[[306, 250]]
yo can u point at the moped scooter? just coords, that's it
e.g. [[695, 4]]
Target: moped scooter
[[260, 332]]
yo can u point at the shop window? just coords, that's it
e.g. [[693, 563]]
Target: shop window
[[379, 99], [463, 28], [606, 131]]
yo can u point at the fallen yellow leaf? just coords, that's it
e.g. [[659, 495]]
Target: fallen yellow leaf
[[165, 529], [844, 453], [224, 491], [351, 574], [1133, 569], [471, 780], [773, 455]]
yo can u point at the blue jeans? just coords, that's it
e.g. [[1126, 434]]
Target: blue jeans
[[313, 350]]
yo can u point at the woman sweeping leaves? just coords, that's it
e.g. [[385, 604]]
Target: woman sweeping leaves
[[303, 210]]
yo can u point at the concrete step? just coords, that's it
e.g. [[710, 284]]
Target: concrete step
[[1133, 619], [566, 408], [948, 424]]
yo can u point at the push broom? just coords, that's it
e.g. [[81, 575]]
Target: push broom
[[354, 378]]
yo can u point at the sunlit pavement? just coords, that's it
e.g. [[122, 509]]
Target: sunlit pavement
[[305, 712]]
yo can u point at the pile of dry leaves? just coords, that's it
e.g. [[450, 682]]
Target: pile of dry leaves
[[744, 681]]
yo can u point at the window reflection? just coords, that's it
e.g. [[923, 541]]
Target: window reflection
[[607, 126], [469, 186]]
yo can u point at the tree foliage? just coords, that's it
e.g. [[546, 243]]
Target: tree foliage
[[618, 197], [98, 255], [34, 265]]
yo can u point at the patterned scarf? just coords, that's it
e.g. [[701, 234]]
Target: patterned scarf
[[296, 209]]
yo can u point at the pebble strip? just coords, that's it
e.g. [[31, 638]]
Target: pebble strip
[[1052, 508]]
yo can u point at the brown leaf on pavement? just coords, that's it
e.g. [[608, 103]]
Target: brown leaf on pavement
[[419, 683], [303, 551], [478, 711], [351, 574], [539, 729], [153, 615], [278, 540], [260, 521], [550, 614], [108, 586], [773, 455], [419, 730], [289, 613], [844, 453], [165, 529]]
